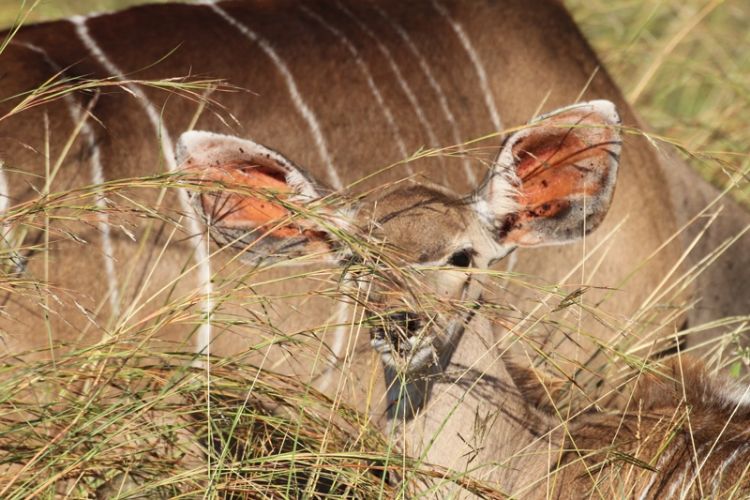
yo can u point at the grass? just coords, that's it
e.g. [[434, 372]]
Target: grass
[[115, 411], [55, 9], [685, 68], [172, 425]]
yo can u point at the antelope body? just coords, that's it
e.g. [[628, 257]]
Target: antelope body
[[685, 434], [339, 90]]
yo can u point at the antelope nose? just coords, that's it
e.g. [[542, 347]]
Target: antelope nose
[[396, 327], [396, 332], [406, 321]]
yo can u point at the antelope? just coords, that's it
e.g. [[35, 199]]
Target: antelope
[[551, 183], [684, 435], [338, 91]]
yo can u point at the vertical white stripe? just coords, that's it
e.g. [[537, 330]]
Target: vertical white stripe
[[4, 205], [344, 327], [200, 252], [699, 452], [302, 107], [442, 99], [4, 192], [736, 395], [476, 61], [97, 178], [663, 460], [5, 233], [725, 464], [397, 72], [511, 262], [367, 74], [679, 480]]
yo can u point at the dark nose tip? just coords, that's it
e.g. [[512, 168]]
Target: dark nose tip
[[397, 328], [407, 321]]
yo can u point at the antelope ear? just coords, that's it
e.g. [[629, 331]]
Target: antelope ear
[[253, 198], [553, 181]]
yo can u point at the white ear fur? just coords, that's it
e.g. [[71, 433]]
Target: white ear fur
[[254, 223], [208, 148], [499, 193], [602, 107]]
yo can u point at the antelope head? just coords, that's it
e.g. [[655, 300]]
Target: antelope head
[[551, 183]]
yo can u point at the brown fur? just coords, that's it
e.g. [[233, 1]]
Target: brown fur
[[532, 56], [682, 435]]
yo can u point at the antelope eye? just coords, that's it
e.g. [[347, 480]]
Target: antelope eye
[[462, 258]]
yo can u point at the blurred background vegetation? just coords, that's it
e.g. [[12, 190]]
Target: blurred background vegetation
[[684, 64]]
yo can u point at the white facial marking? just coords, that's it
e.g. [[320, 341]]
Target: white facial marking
[[199, 249], [440, 332], [291, 84]]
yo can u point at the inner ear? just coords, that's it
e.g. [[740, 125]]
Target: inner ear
[[553, 181], [254, 198]]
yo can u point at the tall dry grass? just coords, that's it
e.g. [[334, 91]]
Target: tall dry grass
[[120, 410]]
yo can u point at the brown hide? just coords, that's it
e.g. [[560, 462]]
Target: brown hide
[[532, 58]]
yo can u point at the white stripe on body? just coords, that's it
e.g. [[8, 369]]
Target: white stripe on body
[[663, 460], [97, 178], [719, 474], [200, 252], [299, 103], [736, 396], [342, 312], [4, 206], [4, 192], [368, 76], [442, 99], [342, 329], [699, 452], [476, 61], [432, 138], [680, 479]]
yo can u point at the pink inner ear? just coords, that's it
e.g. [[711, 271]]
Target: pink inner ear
[[559, 166], [553, 172], [246, 211], [242, 209]]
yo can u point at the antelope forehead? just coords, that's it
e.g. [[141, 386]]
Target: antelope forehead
[[424, 235], [422, 222]]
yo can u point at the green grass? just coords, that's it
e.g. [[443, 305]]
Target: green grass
[[685, 67], [47, 10]]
